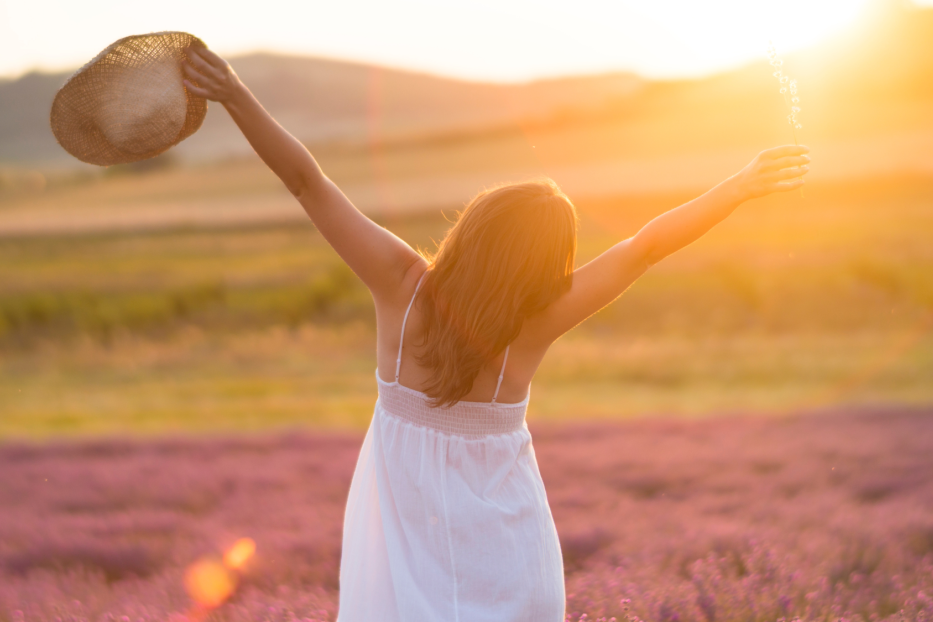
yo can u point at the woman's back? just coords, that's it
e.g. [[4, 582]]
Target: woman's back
[[447, 517], [524, 354]]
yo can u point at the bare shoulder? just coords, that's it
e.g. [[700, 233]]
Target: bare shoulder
[[390, 301]]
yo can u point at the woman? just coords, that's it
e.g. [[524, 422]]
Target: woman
[[447, 517]]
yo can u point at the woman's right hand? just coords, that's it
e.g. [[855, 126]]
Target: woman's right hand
[[773, 170], [214, 78]]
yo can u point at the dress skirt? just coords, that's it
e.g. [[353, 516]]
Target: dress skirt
[[447, 518]]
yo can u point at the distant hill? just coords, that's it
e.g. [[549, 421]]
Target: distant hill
[[324, 100], [874, 81]]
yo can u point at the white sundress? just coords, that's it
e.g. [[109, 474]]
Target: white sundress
[[447, 519]]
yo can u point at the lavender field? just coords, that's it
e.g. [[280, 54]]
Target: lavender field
[[825, 516]]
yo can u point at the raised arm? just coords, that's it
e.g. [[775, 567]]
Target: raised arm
[[377, 256], [602, 280]]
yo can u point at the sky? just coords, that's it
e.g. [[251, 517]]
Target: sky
[[495, 40]]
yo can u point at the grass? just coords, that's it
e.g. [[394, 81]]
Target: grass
[[788, 305], [320, 377]]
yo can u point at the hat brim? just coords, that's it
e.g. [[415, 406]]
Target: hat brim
[[73, 119]]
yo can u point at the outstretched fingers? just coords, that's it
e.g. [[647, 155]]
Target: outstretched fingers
[[785, 151], [787, 162], [774, 170], [793, 184], [790, 173]]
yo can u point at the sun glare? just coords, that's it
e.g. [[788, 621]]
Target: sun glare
[[738, 31], [521, 39]]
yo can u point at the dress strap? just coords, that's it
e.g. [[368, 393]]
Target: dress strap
[[401, 340], [501, 373]]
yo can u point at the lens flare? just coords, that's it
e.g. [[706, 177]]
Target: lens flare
[[209, 583], [239, 553]]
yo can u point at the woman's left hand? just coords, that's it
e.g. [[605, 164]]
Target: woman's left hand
[[209, 75], [773, 170]]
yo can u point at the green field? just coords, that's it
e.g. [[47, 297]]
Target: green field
[[795, 303]]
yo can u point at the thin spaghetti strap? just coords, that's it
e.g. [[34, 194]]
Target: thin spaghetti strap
[[501, 373], [401, 339]]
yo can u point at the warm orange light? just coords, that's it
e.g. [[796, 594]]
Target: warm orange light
[[239, 553], [209, 583]]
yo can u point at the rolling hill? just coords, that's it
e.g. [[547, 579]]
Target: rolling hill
[[323, 100], [876, 79]]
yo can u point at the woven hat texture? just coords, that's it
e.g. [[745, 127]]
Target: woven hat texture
[[129, 102]]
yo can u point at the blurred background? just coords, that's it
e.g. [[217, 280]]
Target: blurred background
[[187, 369], [191, 292]]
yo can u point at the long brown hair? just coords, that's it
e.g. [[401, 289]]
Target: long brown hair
[[509, 255]]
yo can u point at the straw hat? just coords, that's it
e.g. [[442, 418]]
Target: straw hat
[[128, 103]]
